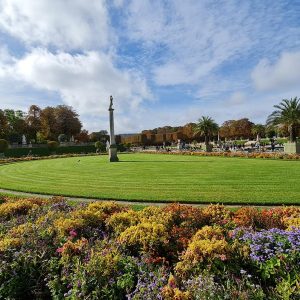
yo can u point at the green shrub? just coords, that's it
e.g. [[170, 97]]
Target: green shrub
[[44, 151], [3, 145], [100, 146], [281, 140], [52, 145], [121, 147]]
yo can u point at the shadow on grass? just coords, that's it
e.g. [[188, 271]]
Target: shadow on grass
[[164, 161]]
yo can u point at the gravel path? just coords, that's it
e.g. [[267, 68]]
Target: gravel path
[[79, 199]]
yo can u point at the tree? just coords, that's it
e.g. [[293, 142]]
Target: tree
[[4, 127], [258, 130], [33, 121], [83, 136], [287, 113], [226, 129], [207, 127], [234, 129], [16, 124], [48, 123], [67, 121]]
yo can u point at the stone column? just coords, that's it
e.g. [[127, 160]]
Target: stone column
[[112, 147]]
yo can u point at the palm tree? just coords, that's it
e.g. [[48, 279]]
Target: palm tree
[[288, 114], [258, 130], [207, 127]]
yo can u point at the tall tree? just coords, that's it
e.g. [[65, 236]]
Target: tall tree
[[67, 120], [287, 113], [83, 136], [4, 127], [48, 124], [16, 124], [33, 121], [207, 127], [236, 129]]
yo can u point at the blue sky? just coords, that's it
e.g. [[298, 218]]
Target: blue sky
[[165, 62]]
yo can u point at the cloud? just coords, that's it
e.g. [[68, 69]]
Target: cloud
[[196, 56], [237, 98], [190, 40], [68, 24], [281, 75], [197, 36], [84, 81]]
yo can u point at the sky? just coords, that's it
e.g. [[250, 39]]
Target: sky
[[164, 62]]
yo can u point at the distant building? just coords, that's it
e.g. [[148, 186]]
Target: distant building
[[160, 135]]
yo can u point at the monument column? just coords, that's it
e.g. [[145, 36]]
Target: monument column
[[112, 152]]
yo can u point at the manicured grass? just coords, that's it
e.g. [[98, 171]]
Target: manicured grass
[[160, 178]]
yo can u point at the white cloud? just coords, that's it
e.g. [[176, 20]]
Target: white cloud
[[237, 98], [84, 81], [197, 37], [67, 24], [79, 52], [190, 40], [283, 74]]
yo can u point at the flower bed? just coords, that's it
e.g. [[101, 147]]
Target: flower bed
[[232, 154], [102, 250]]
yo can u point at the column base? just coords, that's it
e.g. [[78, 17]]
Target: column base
[[112, 153]]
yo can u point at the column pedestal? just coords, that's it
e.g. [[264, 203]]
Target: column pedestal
[[112, 153]]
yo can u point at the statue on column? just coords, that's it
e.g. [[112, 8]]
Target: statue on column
[[111, 102]]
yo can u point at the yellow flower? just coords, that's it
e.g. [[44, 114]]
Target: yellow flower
[[144, 236], [8, 242]]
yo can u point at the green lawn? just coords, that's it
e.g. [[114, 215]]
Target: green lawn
[[160, 178]]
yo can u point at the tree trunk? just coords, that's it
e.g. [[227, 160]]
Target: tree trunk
[[292, 134], [206, 139]]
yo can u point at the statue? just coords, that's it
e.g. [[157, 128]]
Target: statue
[[24, 141], [111, 102]]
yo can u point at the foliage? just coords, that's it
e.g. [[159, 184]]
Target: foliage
[[287, 114], [52, 145], [233, 129], [4, 126], [207, 127], [102, 250], [14, 122], [100, 146], [33, 121], [259, 130], [208, 248], [44, 151], [3, 145]]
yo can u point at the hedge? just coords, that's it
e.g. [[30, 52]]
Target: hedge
[[19, 152]]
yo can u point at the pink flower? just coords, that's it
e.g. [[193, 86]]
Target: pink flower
[[59, 250], [73, 233], [223, 257]]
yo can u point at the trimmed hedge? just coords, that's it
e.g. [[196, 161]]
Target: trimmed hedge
[[19, 152], [3, 145]]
